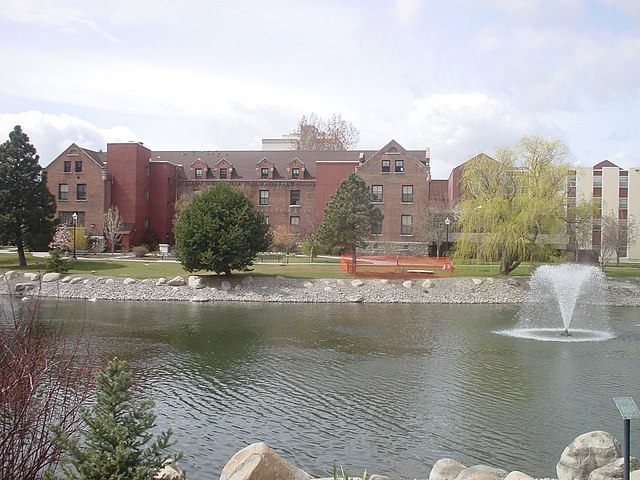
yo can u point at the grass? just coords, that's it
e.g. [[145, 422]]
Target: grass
[[298, 267]]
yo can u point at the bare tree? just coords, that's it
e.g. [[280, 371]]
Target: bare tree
[[580, 224], [314, 133], [436, 227], [283, 238], [44, 379], [616, 235], [113, 226]]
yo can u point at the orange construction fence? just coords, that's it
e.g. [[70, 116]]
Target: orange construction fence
[[396, 266]]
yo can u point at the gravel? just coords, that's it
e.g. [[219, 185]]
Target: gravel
[[625, 292]]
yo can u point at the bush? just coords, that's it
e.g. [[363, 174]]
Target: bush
[[56, 262], [140, 251]]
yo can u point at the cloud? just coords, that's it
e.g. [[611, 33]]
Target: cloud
[[52, 133]]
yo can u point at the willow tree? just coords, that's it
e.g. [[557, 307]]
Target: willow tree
[[513, 205]]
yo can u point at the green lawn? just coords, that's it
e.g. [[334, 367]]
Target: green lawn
[[297, 267]]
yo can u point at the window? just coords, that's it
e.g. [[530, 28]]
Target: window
[[264, 173], [198, 173], [406, 225], [264, 197], [624, 203], [386, 166], [376, 193], [78, 168], [294, 197], [572, 180], [81, 191], [407, 193], [67, 166], [63, 191], [294, 221], [597, 181], [295, 173], [399, 166], [67, 218], [223, 173], [376, 227], [623, 182]]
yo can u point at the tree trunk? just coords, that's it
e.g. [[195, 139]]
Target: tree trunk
[[508, 264], [22, 259]]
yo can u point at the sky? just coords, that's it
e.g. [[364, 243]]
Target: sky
[[459, 77]]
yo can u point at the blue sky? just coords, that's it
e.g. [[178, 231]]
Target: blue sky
[[459, 77]]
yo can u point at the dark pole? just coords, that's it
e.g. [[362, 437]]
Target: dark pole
[[626, 447], [628, 410], [75, 223], [446, 224]]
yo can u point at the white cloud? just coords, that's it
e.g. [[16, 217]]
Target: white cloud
[[52, 133]]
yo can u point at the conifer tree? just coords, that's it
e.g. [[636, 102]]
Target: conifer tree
[[26, 205], [115, 435], [348, 216]]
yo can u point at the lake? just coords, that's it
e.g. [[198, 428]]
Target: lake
[[390, 388]]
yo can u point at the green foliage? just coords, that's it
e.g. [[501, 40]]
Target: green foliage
[[115, 435], [513, 205], [26, 205], [219, 231], [55, 262], [348, 216], [345, 474]]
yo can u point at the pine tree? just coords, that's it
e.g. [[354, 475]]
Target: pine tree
[[348, 216], [26, 205], [114, 437]]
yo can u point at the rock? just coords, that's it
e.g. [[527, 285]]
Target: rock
[[516, 475], [170, 471], [24, 287], [33, 276], [307, 285], [585, 454], [357, 283], [161, 281], [199, 300], [327, 288], [10, 275], [635, 475], [195, 281], [176, 282], [427, 284], [340, 281], [614, 469], [51, 277], [86, 281], [407, 284], [446, 469], [75, 280], [238, 287], [129, 281], [225, 286], [481, 472], [259, 462], [66, 279], [247, 280], [280, 277], [355, 299], [109, 281], [512, 282], [477, 281], [384, 281]]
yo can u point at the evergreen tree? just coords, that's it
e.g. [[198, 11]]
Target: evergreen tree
[[26, 205], [219, 231], [114, 437], [348, 216]]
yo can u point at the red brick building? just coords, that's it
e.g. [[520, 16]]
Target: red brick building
[[290, 187]]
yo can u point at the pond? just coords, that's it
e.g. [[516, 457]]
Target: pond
[[390, 388]]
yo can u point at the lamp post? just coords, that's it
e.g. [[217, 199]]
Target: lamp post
[[628, 410], [447, 222], [75, 224]]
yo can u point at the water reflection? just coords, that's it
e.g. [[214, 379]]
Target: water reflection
[[390, 388]]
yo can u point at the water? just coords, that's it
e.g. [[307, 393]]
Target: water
[[390, 388]]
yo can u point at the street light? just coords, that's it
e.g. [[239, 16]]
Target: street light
[[447, 222], [75, 224]]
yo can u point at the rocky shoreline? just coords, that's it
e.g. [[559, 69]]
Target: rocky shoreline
[[620, 292]]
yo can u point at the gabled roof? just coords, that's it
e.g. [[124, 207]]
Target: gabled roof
[[605, 163]]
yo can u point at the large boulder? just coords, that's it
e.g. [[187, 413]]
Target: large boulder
[[195, 281], [482, 472], [170, 471], [259, 462], [516, 475], [586, 453], [446, 469], [51, 277], [614, 469], [357, 283], [176, 282], [10, 274]]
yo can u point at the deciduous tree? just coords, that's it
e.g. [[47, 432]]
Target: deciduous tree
[[616, 235], [348, 216], [220, 231], [513, 204], [580, 224], [283, 238], [314, 133], [27, 207], [113, 226]]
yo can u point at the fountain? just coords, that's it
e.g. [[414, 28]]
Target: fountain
[[565, 303]]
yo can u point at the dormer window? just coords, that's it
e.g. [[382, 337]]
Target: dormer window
[[223, 173], [295, 173], [198, 173], [264, 172]]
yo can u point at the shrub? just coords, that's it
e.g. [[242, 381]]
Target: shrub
[[56, 262], [140, 251]]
